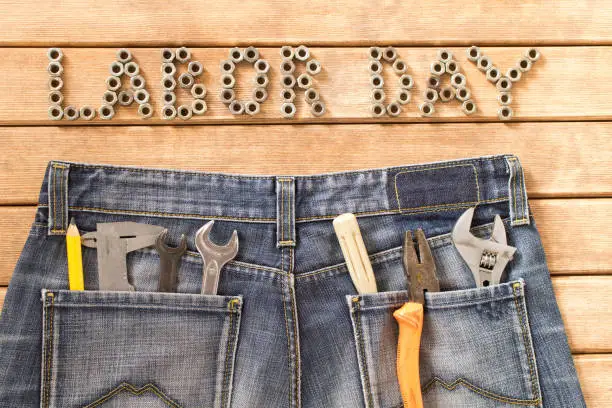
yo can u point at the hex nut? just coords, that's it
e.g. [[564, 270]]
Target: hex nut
[[106, 112], [168, 112], [116, 69], [389, 54], [287, 67], [287, 95], [87, 113], [55, 112], [524, 64], [462, 94], [504, 84], [493, 74], [375, 53], [468, 107], [169, 98], [304, 81], [313, 67], [251, 54], [186, 80], [137, 82], [378, 110], [131, 69], [404, 96], [286, 52], [377, 95], [447, 94], [433, 82], [430, 95], [400, 67], [109, 98], [251, 108], [504, 98], [113, 83], [184, 112], [451, 67], [375, 67], [125, 98], [228, 81], [182, 54], [484, 63], [533, 54], [473, 53], [262, 66], [168, 83], [55, 69], [236, 55], [260, 95], [288, 81], [71, 113], [236, 107], [514, 74], [195, 68], [427, 109], [145, 110], [437, 68], [394, 109], [124, 55], [287, 110], [311, 95], [55, 98], [141, 96], [56, 83], [227, 96], [406, 81], [55, 54], [198, 91], [302, 53], [168, 68], [444, 55], [317, 108], [261, 80], [377, 81], [198, 107], [458, 80], [227, 67], [505, 113], [167, 55]]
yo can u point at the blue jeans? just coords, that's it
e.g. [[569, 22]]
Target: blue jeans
[[287, 328]]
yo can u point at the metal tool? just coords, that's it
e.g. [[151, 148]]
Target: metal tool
[[487, 258], [214, 257], [169, 261], [113, 241], [419, 266]]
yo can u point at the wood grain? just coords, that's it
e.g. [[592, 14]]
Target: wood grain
[[560, 159], [319, 22], [567, 83], [595, 379]]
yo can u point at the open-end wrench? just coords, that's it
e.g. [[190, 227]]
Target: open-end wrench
[[169, 261], [214, 257]]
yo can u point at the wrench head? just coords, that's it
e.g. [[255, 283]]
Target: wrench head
[[160, 244], [210, 250]]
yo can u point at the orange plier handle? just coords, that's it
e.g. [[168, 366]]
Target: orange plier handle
[[410, 320]]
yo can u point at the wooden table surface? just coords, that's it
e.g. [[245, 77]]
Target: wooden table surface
[[562, 130]]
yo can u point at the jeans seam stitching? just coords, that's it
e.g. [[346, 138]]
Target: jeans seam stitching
[[526, 344], [49, 349], [287, 334], [361, 347], [134, 391], [478, 390], [224, 393], [297, 348]]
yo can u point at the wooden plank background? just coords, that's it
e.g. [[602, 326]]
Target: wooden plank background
[[562, 132]]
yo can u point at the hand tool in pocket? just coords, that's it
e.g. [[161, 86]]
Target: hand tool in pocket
[[214, 257], [487, 258], [75, 258], [113, 241], [169, 261], [421, 272], [355, 253]]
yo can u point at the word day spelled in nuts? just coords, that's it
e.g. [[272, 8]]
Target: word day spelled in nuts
[[180, 85]]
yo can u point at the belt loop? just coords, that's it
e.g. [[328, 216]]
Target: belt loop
[[285, 212], [519, 206], [58, 198]]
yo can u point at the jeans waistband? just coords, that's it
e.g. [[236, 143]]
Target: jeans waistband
[[284, 200]]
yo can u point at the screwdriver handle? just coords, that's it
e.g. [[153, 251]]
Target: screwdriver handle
[[410, 320]]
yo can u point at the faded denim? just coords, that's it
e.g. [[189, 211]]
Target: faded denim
[[286, 328]]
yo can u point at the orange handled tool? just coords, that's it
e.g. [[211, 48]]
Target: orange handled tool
[[422, 277]]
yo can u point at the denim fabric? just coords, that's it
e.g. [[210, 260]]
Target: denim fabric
[[287, 328]]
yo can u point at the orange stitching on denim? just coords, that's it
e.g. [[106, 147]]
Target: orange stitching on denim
[[287, 333], [52, 216], [478, 390], [516, 171], [296, 369], [49, 350], [136, 392], [361, 349], [54, 178], [228, 353], [526, 343], [282, 209]]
